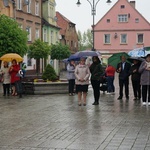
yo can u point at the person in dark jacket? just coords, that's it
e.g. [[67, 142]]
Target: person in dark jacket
[[123, 69], [135, 78], [145, 79], [96, 73]]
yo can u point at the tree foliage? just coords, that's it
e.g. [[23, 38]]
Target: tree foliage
[[59, 51], [12, 38], [85, 40], [49, 73], [39, 49]]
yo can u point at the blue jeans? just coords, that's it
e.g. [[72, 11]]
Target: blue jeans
[[110, 84]]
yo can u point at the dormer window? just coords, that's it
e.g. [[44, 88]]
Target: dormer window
[[122, 6], [108, 20], [136, 20]]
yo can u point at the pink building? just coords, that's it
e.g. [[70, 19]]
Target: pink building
[[122, 28]]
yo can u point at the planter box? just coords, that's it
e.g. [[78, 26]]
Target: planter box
[[45, 87]]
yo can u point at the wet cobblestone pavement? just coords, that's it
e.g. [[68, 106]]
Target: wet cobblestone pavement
[[56, 122]]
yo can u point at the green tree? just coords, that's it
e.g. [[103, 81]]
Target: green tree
[[85, 40], [38, 49], [12, 38], [49, 73], [59, 51]]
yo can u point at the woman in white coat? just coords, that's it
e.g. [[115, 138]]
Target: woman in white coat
[[82, 74], [5, 78]]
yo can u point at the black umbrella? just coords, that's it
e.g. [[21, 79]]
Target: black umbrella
[[135, 58]]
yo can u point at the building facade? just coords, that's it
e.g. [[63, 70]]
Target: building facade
[[121, 29], [28, 16], [50, 29], [68, 34]]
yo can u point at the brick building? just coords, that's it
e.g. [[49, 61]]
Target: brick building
[[68, 34]]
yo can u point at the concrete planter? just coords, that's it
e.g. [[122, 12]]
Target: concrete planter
[[45, 87]]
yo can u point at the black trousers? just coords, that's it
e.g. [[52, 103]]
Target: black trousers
[[96, 89], [71, 85], [125, 83], [6, 89], [145, 90], [136, 88]]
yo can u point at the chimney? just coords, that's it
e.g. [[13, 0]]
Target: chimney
[[132, 3]]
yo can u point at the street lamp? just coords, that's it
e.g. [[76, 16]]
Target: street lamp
[[93, 12]]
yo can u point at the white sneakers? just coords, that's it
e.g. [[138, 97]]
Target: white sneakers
[[144, 103], [112, 93], [108, 93]]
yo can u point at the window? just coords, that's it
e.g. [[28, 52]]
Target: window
[[20, 26], [57, 36], [107, 38], [123, 18], [75, 44], [108, 20], [71, 43], [51, 12], [19, 4], [36, 33], [52, 37], [29, 61], [139, 38], [29, 7], [136, 20], [123, 39], [37, 8], [45, 35], [122, 6], [28, 29]]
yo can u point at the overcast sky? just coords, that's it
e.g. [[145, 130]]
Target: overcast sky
[[82, 17]]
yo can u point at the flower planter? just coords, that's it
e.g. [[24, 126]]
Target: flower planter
[[59, 87]]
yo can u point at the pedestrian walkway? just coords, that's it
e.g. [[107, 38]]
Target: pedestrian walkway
[[56, 122]]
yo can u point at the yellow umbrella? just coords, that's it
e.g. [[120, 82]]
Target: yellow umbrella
[[10, 56]]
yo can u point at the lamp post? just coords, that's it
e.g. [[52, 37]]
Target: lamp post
[[93, 13]]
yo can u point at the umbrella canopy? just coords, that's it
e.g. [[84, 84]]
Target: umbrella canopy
[[10, 56], [139, 52], [135, 58], [85, 53], [116, 58]]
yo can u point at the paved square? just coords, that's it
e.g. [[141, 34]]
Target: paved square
[[56, 122]]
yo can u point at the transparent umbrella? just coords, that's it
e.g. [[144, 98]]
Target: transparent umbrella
[[139, 52]]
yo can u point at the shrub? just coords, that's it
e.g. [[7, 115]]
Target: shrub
[[49, 73]]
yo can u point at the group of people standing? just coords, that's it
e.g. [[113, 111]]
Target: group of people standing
[[9, 77], [140, 77], [79, 75]]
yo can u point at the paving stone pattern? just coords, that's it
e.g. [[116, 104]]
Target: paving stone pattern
[[56, 122]]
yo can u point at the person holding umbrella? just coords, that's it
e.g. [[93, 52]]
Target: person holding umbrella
[[135, 78], [123, 69], [145, 79], [13, 70]]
